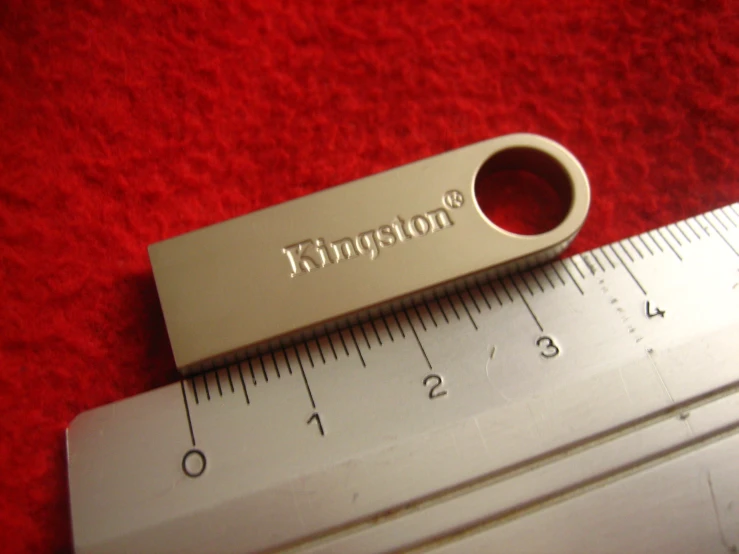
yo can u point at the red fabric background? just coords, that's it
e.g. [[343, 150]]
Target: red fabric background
[[124, 123]]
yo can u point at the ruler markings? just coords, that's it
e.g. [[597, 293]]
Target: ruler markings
[[343, 342], [243, 384], [423, 351], [687, 223], [194, 390], [501, 282], [573, 278], [305, 379], [525, 282], [320, 349], [621, 244], [264, 369], [730, 207], [682, 232], [418, 315], [497, 296], [287, 362], [205, 383], [377, 334], [490, 290], [330, 338], [366, 326], [703, 227], [251, 370], [187, 411], [400, 327], [356, 345], [488, 284], [274, 362], [667, 242], [524, 278], [543, 270], [715, 216], [589, 264], [453, 298], [720, 234], [359, 325], [441, 309], [727, 226], [531, 273], [638, 252], [450, 299], [626, 267], [482, 294], [646, 246], [218, 383], [554, 268], [306, 345], [468, 313], [725, 212], [427, 305], [430, 314], [440, 306], [472, 298], [364, 334], [505, 288], [536, 280], [597, 260], [434, 310], [283, 351], [577, 267], [387, 328], [533, 315], [230, 380], [283, 361], [667, 228], [300, 356]]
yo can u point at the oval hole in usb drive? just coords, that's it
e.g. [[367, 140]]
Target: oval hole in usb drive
[[523, 191]]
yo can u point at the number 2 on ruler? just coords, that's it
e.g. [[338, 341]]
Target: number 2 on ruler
[[434, 381]]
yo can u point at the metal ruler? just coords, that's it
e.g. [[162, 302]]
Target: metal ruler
[[588, 405]]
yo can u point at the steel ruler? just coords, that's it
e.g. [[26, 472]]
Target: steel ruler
[[587, 405]]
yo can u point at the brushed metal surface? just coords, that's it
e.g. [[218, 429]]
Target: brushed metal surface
[[231, 287], [587, 405]]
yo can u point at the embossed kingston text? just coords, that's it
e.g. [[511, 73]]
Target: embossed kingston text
[[313, 254]]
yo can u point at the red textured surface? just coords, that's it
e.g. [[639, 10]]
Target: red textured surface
[[126, 123]]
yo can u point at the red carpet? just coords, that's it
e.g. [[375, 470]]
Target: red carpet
[[127, 122]]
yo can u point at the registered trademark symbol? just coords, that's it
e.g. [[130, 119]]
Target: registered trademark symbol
[[453, 199]]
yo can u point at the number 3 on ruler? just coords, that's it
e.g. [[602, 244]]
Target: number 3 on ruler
[[548, 346]]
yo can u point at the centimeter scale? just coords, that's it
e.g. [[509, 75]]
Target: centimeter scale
[[587, 405]]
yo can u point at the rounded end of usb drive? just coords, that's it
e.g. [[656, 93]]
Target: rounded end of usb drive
[[555, 188]]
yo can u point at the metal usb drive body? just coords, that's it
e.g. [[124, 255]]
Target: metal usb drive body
[[231, 288]]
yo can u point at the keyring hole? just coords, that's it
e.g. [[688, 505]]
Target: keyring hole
[[524, 191]]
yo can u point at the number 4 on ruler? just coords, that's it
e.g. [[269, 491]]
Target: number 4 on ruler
[[654, 312]]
